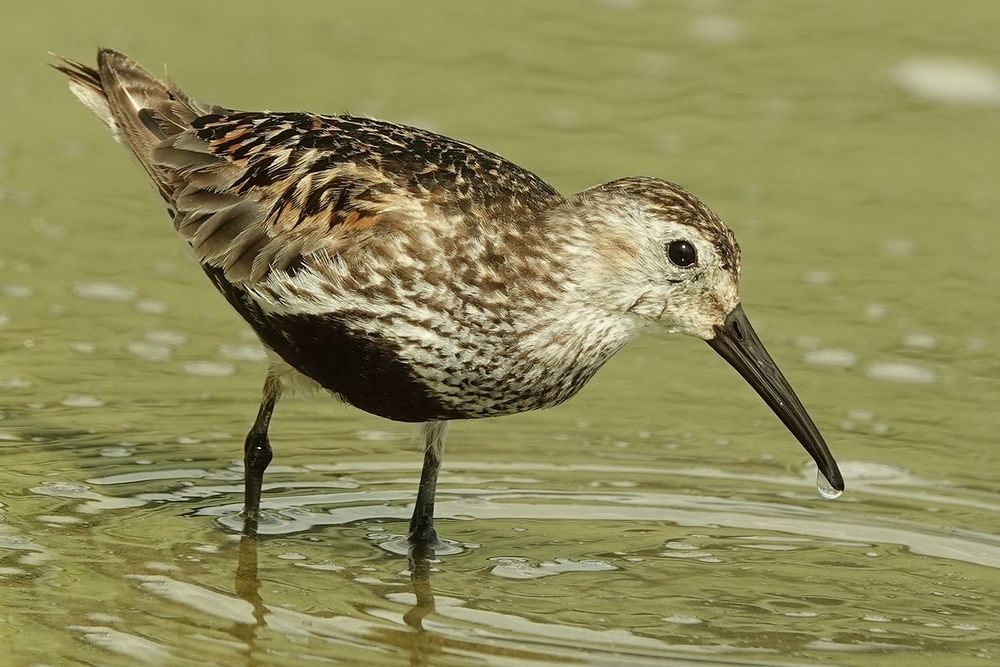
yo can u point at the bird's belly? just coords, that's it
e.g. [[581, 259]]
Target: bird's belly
[[391, 379], [367, 372], [405, 379], [404, 382]]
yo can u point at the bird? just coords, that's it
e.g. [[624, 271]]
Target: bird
[[421, 278]]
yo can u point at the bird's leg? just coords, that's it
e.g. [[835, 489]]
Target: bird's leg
[[422, 532], [257, 454]]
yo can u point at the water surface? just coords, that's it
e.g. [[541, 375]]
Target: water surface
[[663, 516]]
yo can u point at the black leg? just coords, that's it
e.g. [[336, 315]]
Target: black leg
[[422, 532], [257, 455], [422, 523]]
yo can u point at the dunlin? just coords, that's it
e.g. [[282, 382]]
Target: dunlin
[[421, 278]]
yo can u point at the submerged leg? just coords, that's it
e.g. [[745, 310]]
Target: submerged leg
[[257, 453], [422, 532]]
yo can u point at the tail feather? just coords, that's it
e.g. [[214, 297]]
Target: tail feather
[[139, 109], [85, 83]]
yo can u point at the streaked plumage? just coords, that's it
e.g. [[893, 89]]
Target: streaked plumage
[[417, 277]]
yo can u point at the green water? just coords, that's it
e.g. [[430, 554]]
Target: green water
[[663, 516]]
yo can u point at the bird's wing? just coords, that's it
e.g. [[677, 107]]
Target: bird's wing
[[264, 192]]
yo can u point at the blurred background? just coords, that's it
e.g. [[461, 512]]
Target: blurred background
[[663, 516]]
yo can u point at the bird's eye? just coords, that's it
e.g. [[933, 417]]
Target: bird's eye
[[681, 253]]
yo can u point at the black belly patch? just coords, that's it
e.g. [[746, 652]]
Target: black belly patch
[[366, 372]]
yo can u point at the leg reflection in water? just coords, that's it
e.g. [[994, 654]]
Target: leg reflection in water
[[419, 642], [420, 578], [422, 632], [424, 642], [248, 589]]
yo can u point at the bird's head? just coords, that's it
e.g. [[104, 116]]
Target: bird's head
[[674, 264]]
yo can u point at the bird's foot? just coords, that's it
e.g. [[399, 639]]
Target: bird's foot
[[250, 521], [424, 543]]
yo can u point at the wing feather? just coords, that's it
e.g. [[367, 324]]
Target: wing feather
[[266, 192]]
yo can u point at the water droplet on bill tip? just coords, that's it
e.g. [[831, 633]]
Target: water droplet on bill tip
[[825, 488]]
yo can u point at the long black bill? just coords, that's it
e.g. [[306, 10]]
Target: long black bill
[[738, 344]]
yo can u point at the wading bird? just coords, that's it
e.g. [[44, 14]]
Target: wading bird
[[423, 279]]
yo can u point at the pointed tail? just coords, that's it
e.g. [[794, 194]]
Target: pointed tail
[[139, 109]]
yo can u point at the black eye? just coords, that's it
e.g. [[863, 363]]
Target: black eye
[[681, 253]]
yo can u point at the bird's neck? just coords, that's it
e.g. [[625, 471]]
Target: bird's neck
[[588, 318]]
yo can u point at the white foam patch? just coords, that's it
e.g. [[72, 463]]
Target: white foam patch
[[104, 291], [683, 620], [699, 555], [831, 357], [321, 567], [103, 618], [949, 81], [82, 401], [966, 626], [817, 277], [151, 307], [718, 28], [519, 568], [897, 248], [209, 368], [380, 436], [58, 519], [920, 340], [165, 337], [115, 452], [47, 229], [17, 291], [122, 643], [876, 311], [772, 547], [149, 351], [243, 352], [899, 371]]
